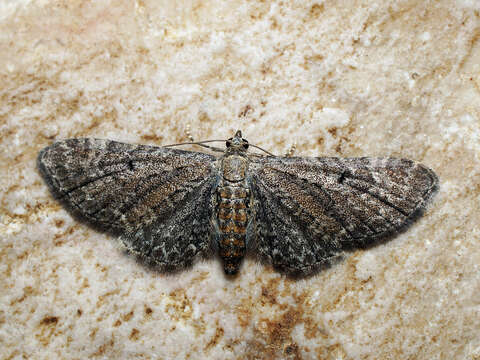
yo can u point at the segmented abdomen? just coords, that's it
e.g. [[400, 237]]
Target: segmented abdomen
[[232, 216]]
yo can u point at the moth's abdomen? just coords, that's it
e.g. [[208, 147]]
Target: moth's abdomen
[[232, 217]]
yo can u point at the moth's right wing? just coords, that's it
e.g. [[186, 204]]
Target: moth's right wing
[[159, 200], [308, 211]]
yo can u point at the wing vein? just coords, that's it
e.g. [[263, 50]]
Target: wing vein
[[378, 197], [69, 191]]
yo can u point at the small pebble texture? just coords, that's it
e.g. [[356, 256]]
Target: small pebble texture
[[352, 78]]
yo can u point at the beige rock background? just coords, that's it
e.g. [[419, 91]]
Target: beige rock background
[[350, 78]]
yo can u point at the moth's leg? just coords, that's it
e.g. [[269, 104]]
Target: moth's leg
[[292, 149], [215, 228], [188, 134]]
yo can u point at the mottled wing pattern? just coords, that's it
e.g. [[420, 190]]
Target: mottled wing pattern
[[308, 211], [158, 200]]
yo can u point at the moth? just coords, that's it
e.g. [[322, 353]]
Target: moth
[[170, 206]]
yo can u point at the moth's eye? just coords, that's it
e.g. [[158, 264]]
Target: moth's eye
[[245, 145], [229, 142]]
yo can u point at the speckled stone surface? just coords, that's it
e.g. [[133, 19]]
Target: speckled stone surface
[[378, 78]]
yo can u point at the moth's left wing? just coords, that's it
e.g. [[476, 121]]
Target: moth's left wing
[[308, 211], [158, 200]]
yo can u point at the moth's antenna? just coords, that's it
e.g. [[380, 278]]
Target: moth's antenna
[[259, 148], [200, 143], [193, 143]]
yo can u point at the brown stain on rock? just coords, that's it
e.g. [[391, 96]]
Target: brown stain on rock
[[148, 310], [59, 239], [316, 10], [272, 338], [202, 275], [93, 333], [104, 349], [268, 296], [275, 315], [320, 141], [292, 351], [49, 320], [278, 330], [181, 309], [244, 312], [27, 292], [105, 298], [47, 329], [134, 335], [219, 332], [127, 317], [333, 131], [245, 111], [157, 139]]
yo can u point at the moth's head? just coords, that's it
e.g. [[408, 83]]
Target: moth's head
[[237, 143]]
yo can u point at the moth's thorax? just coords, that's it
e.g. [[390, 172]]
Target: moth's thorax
[[234, 167], [233, 200]]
